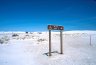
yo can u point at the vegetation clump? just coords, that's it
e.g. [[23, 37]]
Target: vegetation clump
[[4, 39], [15, 35]]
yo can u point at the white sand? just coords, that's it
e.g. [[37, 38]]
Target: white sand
[[28, 51]]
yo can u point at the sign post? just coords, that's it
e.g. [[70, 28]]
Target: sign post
[[49, 42], [61, 42], [54, 27]]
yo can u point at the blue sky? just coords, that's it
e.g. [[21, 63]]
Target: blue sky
[[35, 15]]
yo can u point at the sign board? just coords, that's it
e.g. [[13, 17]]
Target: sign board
[[54, 27]]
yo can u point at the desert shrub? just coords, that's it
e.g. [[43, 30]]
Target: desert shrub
[[1, 41], [15, 35], [40, 40], [26, 32], [39, 32], [27, 35], [31, 33], [4, 39]]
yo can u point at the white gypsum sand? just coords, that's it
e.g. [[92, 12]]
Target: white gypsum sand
[[29, 49]]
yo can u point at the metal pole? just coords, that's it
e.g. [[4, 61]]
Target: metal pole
[[61, 42], [90, 39], [49, 42]]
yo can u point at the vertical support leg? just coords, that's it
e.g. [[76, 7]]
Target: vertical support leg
[[61, 42], [90, 40], [49, 42]]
